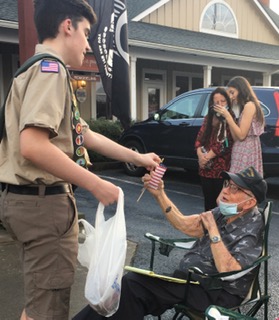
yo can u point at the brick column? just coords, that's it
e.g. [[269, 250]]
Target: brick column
[[26, 30]]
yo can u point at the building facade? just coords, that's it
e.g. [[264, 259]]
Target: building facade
[[175, 46], [180, 45]]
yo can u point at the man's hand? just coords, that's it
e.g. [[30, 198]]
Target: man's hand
[[146, 179], [209, 223], [223, 259]]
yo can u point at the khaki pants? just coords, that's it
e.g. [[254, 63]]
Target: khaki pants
[[47, 231]]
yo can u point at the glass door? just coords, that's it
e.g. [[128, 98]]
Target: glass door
[[153, 98]]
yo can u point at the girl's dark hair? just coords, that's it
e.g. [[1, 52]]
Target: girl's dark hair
[[49, 14], [204, 139], [246, 94]]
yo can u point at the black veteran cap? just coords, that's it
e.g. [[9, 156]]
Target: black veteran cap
[[249, 179]]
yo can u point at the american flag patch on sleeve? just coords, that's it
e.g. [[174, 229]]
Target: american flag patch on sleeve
[[49, 66]]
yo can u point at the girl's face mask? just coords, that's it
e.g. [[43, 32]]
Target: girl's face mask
[[230, 209]]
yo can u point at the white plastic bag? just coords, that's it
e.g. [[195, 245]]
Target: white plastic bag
[[86, 248], [104, 252]]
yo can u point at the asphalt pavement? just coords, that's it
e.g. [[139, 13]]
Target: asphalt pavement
[[11, 282]]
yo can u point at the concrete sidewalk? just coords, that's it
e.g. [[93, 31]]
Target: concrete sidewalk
[[11, 282]]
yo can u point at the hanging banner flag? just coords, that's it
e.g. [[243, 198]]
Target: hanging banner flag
[[109, 42]]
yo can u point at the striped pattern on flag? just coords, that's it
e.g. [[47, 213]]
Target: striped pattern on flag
[[157, 176], [49, 66]]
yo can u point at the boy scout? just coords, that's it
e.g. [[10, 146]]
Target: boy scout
[[36, 167]]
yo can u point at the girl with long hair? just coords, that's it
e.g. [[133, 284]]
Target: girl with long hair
[[246, 131]]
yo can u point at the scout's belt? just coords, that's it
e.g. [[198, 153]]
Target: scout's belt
[[36, 190]]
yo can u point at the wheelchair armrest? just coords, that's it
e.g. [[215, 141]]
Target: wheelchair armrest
[[166, 245], [181, 243], [231, 275], [151, 236]]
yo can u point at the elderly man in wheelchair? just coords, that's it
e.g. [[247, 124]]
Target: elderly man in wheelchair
[[229, 238]]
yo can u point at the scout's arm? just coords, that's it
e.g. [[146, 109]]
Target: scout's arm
[[111, 149], [36, 147]]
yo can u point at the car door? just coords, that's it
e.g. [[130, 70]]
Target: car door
[[175, 132]]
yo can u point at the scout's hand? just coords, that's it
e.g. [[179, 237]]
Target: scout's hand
[[148, 160], [105, 192]]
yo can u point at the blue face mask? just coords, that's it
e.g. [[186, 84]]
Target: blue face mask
[[229, 209]]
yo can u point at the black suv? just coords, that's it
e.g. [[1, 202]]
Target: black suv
[[172, 131]]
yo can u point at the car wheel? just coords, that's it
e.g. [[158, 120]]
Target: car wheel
[[129, 167]]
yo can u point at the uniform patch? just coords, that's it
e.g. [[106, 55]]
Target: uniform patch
[[49, 66]]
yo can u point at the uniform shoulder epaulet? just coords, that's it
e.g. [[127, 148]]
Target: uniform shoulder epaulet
[[49, 63]]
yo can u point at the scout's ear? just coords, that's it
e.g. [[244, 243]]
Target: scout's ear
[[66, 26]]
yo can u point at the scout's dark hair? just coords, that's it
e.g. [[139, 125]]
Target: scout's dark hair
[[49, 14], [246, 94]]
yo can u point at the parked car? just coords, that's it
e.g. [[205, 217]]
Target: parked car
[[171, 132]]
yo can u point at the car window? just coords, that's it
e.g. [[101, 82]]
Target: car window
[[205, 106], [204, 112], [183, 108], [265, 109]]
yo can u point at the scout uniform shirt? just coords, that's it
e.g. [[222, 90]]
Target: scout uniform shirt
[[39, 97]]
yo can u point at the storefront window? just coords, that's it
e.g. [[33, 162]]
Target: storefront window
[[184, 83]]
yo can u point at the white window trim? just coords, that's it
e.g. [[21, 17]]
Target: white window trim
[[150, 10], [154, 71], [220, 33]]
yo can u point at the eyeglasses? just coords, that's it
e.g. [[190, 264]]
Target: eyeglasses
[[234, 188]]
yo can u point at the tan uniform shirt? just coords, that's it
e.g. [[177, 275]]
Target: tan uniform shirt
[[39, 99]]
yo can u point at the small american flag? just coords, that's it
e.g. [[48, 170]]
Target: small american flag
[[157, 176], [49, 66]]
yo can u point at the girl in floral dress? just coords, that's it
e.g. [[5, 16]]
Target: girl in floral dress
[[250, 125]]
